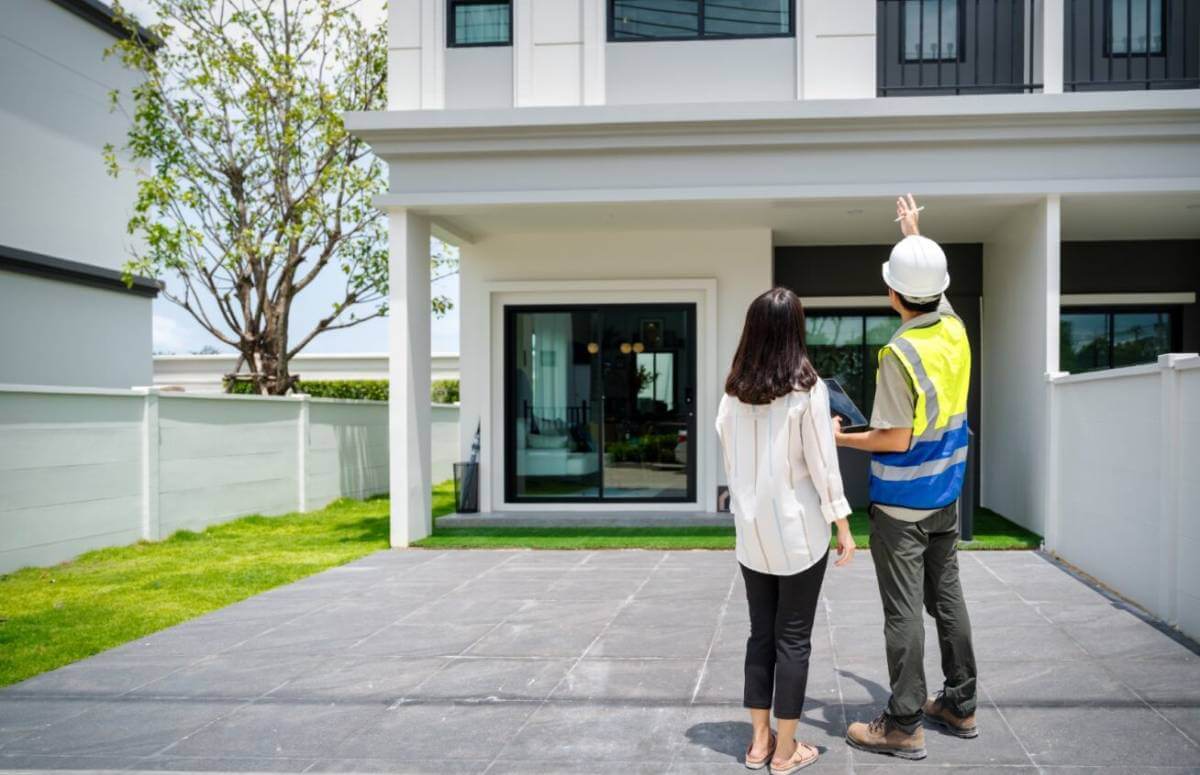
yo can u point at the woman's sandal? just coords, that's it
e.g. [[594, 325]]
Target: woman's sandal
[[808, 753], [758, 764]]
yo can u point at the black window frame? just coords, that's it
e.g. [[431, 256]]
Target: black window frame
[[959, 35], [700, 34], [509, 402], [870, 352], [451, 41], [1174, 313], [1163, 16]]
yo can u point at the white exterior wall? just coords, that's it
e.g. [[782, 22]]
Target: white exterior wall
[[836, 50], [600, 267], [83, 469], [61, 333], [560, 55], [1019, 333], [55, 120], [1126, 503]]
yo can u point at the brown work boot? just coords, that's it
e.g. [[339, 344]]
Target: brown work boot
[[883, 736], [960, 726]]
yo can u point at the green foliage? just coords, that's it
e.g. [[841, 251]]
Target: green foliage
[[249, 185], [445, 391]]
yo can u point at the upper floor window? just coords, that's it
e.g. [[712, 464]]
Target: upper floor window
[[931, 30], [1135, 27], [695, 19], [480, 23], [1100, 338]]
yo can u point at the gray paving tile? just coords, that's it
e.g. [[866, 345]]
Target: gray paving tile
[[420, 640], [208, 764], [627, 640], [129, 728], [1128, 638], [541, 767], [629, 680], [425, 731], [487, 679], [276, 727], [1101, 736], [229, 677], [43, 764], [102, 677], [717, 737], [364, 678], [435, 766], [360, 679], [611, 733], [546, 639], [1024, 642], [1172, 682]]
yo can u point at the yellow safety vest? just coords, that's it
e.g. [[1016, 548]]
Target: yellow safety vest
[[929, 475]]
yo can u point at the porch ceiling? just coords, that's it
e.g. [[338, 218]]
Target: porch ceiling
[[849, 221]]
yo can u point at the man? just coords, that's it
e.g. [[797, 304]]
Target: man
[[918, 441]]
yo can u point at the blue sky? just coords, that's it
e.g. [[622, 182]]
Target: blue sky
[[175, 331]]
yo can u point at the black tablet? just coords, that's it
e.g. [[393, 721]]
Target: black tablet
[[852, 417]]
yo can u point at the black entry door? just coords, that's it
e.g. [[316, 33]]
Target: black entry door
[[600, 403]]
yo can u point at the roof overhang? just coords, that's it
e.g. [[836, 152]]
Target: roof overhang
[[60, 269], [451, 161]]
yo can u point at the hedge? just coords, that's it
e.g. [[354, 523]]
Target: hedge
[[443, 391]]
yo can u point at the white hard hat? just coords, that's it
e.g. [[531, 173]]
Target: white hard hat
[[916, 268]]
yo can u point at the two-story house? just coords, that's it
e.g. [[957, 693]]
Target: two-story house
[[624, 176], [66, 315]]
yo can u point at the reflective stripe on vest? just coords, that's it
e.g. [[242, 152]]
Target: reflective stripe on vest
[[929, 475]]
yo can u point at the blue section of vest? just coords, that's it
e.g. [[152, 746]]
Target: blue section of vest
[[926, 492], [923, 451], [939, 488]]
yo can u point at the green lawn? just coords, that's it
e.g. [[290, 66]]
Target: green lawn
[[50, 617]]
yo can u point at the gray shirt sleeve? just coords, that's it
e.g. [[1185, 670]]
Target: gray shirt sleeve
[[895, 401]]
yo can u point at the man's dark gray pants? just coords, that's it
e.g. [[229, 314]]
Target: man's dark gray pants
[[917, 563]]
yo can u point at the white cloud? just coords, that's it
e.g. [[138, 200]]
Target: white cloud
[[169, 336]]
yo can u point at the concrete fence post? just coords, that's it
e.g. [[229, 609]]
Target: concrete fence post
[[1053, 461], [151, 524], [1170, 491], [302, 454]]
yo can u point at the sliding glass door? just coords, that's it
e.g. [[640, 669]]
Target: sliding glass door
[[600, 403]]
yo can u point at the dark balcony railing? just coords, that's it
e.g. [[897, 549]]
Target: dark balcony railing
[[1131, 44], [958, 46]]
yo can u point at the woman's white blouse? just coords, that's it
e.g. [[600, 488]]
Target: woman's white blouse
[[785, 486]]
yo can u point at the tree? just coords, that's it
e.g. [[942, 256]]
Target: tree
[[249, 186]]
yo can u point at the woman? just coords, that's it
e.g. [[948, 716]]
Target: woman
[[785, 490]]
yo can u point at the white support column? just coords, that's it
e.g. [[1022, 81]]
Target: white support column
[[1052, 46], [150, 444], [1019, 350], [302, 454], [408, 371]]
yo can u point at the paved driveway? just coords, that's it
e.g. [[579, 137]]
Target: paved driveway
[[604, 662]]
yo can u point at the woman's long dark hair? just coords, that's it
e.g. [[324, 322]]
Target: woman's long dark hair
[[772, 358]]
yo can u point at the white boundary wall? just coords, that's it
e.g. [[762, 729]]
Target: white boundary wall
[[86, 468], [1125, 482]]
